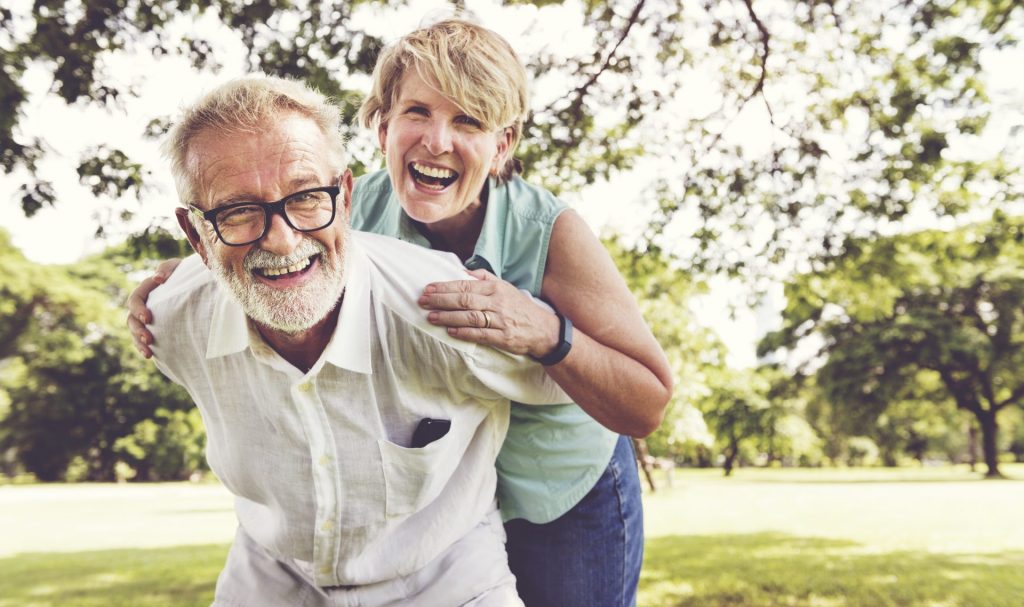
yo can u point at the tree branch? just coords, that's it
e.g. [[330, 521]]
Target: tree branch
[[759, 85], [1003, 18], [581, 91], [1014, 397], [765, 38]]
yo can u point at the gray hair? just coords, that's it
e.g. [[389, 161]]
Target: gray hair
[[246, 105]]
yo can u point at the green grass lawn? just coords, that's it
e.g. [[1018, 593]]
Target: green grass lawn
[[929, 537]]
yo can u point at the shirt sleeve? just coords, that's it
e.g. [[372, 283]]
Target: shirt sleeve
[[174, 329], [515, 377]]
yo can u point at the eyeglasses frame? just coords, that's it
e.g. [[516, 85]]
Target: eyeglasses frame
[[269, 209]]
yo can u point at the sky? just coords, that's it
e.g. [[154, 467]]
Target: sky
[[65, 233]]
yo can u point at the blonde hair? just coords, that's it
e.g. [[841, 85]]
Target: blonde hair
[[472, 66], [247, 105]]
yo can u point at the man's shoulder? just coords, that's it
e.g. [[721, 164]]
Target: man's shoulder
[[190, 288], [408, 262], [398, 271]]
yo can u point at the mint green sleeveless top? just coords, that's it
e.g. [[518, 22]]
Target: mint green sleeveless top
[[553, 455]]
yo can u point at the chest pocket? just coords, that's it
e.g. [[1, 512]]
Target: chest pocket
[[415, 477]]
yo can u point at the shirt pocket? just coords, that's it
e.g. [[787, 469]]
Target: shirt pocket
[[415, 477]]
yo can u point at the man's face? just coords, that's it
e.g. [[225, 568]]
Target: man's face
[[287, 281]]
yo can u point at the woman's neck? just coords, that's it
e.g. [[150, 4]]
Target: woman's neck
[[457, 234]]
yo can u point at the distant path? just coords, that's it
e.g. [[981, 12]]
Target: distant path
[[92, 516]]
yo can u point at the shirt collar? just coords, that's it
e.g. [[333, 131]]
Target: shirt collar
[[491, 243], [229, 328], [349, 346]]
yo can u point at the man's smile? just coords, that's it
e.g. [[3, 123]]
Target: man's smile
[[296, 268]]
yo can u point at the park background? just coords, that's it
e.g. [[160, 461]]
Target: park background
[[818, 205]]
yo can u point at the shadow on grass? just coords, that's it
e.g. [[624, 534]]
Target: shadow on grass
[[875, 481], [178, 576], [767, 569]]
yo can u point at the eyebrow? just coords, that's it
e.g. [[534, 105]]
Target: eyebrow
[[295, 185], [411, 102]]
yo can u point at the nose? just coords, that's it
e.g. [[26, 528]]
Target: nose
[[280, 239], [438, 138]]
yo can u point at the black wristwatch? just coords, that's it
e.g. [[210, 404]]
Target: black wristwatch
[[564, 343]]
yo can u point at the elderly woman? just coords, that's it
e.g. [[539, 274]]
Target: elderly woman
[[448, 103]]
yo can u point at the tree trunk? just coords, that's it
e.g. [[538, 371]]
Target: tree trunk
[[643, 457], [989, 433], [972, 445], [730, 453]]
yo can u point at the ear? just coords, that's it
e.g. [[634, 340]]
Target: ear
[[345, 182], [504, 143], [382, 137], [186, 226]]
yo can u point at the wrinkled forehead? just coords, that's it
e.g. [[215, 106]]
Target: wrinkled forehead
[[265, 161]]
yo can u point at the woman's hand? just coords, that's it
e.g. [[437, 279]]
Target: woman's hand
[[138, 314], [492, 311]]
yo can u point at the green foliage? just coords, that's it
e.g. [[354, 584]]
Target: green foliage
[[166, 447], [737, 410], [917, 321], [74, 383], [566, 144], [867, 103]]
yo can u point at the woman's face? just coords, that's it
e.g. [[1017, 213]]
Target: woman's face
[[437, 156]]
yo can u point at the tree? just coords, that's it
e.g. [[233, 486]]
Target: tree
[[870, 107], [170, 445], [951, 303], [738, 412], [74, 382], [861, 104]]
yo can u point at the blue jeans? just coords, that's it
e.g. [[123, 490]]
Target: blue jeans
[[591, 555]]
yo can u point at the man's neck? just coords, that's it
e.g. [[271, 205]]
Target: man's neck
[[302, 349]]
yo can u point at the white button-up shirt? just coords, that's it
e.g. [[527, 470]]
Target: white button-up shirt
[[321, 462]]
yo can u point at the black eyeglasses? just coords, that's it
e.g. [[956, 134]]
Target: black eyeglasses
[[243, 223]]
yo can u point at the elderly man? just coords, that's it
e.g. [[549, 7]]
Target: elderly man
[[359, 440]]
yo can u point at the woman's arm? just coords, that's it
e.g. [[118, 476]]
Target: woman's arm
[[615, 371], [138, 314]]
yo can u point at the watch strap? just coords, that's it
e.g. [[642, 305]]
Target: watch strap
[[564, 343]]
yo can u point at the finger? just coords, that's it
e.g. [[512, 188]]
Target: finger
[[137, 299], [459, 286], [166, 268], [473, 334], [473, 319], [141, 338], [141, 335], [454, 301]]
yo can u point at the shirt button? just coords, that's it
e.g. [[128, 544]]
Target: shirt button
[[327, 526], [324, 460], [305, 387], [325, 569]]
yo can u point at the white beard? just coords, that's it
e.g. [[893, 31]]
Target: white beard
[[290, 311]]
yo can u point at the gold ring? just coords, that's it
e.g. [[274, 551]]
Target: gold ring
[[487, 319]]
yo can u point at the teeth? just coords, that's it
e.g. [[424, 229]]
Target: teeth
[[296, 267], [435, 172]]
